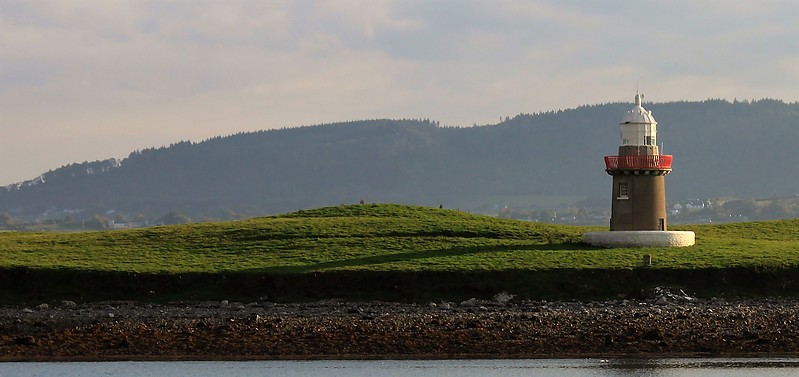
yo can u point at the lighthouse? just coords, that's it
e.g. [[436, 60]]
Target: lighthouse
[[638, 201], [639, 171]]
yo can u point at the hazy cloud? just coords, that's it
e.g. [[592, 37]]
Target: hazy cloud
[[85, 80]]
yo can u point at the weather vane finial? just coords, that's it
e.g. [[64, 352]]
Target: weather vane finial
[[638, 97]]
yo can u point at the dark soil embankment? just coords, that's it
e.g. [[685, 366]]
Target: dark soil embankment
[[23, 286]]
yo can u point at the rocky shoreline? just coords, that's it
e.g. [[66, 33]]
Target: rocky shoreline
[[663, 326]]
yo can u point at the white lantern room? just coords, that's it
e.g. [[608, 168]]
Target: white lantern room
[[638, 127]]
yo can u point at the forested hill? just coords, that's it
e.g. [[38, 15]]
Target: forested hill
[[738, 149]]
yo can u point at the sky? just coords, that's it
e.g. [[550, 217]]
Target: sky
[[97, 79]]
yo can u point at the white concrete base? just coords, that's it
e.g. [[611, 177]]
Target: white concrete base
[[640, 238]]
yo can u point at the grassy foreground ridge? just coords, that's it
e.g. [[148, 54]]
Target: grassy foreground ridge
[[387, 252]]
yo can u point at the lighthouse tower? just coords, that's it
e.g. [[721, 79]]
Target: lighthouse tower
[[638, 207], [639, 170]]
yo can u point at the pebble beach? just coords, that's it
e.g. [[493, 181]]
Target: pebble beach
[[666, 326]]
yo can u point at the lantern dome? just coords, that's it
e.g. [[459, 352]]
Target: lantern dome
[[638, 114]]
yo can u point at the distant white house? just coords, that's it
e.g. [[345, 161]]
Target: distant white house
[[127, 224]]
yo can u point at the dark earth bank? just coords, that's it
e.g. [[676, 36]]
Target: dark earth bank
[[30, 286]]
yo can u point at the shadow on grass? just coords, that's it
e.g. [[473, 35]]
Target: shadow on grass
[[416, 255]]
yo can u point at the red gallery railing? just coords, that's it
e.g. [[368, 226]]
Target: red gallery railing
[[659, 162]]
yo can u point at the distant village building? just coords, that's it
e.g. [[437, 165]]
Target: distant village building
[[638, 201], [127, 224]]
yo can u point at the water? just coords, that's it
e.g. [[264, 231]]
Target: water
[[416, 368]]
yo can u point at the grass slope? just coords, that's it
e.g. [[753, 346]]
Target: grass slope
[[391, 251]]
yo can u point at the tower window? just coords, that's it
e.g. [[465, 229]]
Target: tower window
[[623, 190], [649, 140]]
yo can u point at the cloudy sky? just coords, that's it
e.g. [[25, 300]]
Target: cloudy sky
[[89, 80]]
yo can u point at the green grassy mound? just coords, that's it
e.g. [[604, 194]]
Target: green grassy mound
[[389, 252]]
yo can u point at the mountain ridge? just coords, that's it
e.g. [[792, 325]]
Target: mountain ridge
[[721, 148]]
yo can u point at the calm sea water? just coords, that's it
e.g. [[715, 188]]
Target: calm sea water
[[417, 368]]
